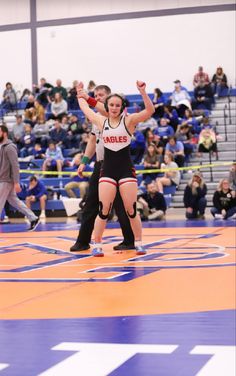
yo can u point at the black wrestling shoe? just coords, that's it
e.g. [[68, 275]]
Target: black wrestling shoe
[[78, 247], [123, 247], [34, 224]]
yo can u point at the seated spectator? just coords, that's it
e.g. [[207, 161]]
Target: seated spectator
[[184, 135], [74, 132], [152, 160], [224, 201], [59, 89], [232, 177], [154, 139], [41, 133], [18, 131], [203, 96], [219, 82], [58, 134], [195, 197], [9, 98], [37, 192], [35, 114], [65, 122], [176, 148], [180, 98], [58, 107], [84, 141], [29, 109], [152, 204], [200, 76], [42, 91], [91, 88], [158, 102], [191, 121], [137, 146], [171, 116], [38, 152], [25, 95], [27, 142], [164, 131], [72, 97], [77, 182], [54, 158], [207, 142], [171, 177]]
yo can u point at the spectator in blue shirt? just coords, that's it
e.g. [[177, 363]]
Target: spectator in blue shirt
[[171, 115], [158, 102], [58, 134], [77, 182], [36, 192], [54, 158], [164, 131], [137, 147], [176, 148]]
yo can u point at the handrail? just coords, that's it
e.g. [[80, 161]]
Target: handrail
[[225, 125]]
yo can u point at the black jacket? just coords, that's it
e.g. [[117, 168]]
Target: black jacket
[[223, 200], [191, 200]]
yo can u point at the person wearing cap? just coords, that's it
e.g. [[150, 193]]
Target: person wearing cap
[[199, 77], [195, 197], [180, 99]]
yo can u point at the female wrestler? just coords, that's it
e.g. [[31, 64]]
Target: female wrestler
[[117, 170]]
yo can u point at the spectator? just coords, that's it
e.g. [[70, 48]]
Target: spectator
[[36, 113], [158, 102], [42, 91], [91, 88], [207, 142], [164, 131], [9, 98], [77, 182], [41, 133], [18, 130], [59, 89], [219, 82], [74, 132], [200, 76], [195, 197], [58, 107], [58, 134], [152, 160], [224, 202], [29, 109], [54, 158], [171, 116], [27, 142], [137, 147], [232, 176], [37, 192], [180, 98], [171, 177], [72, 97], [154, 139], [192, 121], [25, 95], [38, 152], [152, 204], [84, 142], [184, 135], [203, 97], [176, 148]]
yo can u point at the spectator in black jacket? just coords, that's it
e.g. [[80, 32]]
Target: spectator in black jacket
[[194, 197], [152, 204], [224, 201], [203, 96]]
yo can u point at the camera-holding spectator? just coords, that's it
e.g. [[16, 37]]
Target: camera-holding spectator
[[36, 192], [58, 107], [171, 116], [77, 182], [224, 201], [176, 148], [152, 204], [195, 197], [180, 98], [199, 77], [219, 82], [232, 176], [158, 102], [54, 158], [171, 177], [9, 98]]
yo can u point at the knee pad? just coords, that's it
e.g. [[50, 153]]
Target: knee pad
[[100, 213], [135, 211]]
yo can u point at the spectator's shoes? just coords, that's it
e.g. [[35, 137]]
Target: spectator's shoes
[[34, 224], [219, 216], [97, 252], [123, 247], [42, 215], [233, 216], [140, 251], [78, 247], [5, 220]]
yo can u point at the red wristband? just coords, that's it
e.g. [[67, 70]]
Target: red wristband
[[92, 102]]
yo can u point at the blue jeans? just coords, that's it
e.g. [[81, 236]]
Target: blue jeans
[[199, 207], [229, 212]]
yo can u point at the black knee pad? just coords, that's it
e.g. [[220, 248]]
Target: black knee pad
[[100, 213], [135, 211]]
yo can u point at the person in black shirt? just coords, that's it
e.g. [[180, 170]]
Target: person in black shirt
[[152, 204], [194, 197], [224, 201]]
